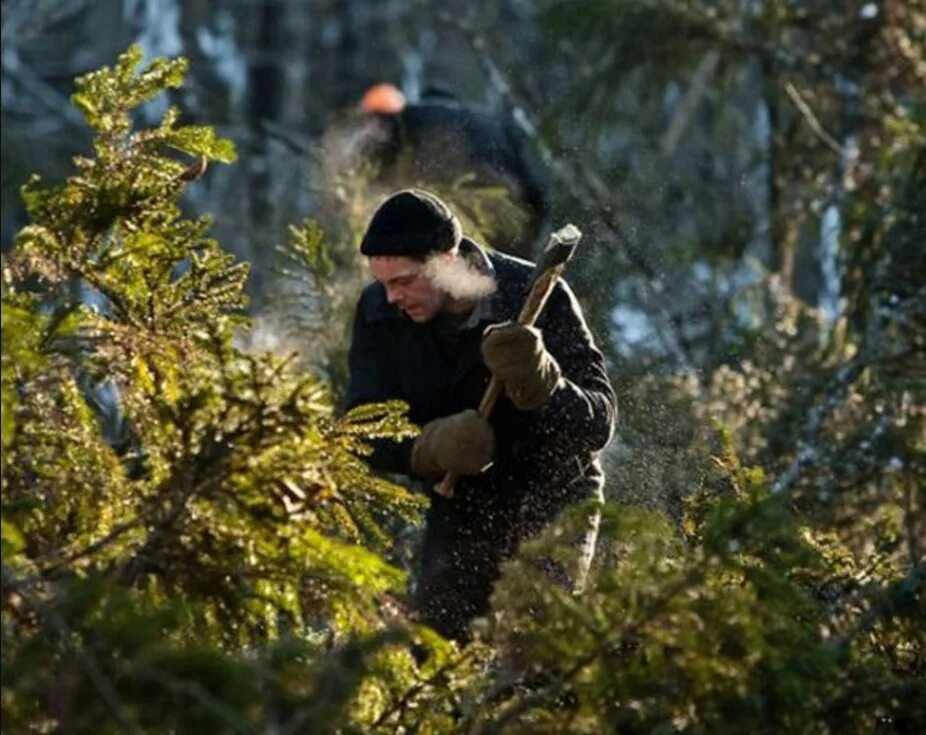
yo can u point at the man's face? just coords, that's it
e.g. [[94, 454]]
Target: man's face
[[408, 285]]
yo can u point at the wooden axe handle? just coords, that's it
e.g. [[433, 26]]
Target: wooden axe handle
[[533, 305]]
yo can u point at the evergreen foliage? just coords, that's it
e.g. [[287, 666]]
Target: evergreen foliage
[[164, 493], [192, 542]]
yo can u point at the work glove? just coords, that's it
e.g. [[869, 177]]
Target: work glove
[[463, 443], [515, 354]]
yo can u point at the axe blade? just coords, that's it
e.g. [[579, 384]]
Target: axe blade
[[560, 248]]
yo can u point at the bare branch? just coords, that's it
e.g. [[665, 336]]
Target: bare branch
[[693, 96], [815, 125]]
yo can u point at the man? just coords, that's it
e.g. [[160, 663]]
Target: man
[[431, 330]]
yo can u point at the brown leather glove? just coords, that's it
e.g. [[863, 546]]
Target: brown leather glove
[[463, 443], [515, 354]]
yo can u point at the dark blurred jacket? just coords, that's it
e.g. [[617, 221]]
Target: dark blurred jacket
[[439, 142]]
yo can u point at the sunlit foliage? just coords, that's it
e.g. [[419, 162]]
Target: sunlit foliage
[[192, 542]]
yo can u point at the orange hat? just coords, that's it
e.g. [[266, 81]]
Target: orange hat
[[383, 99]]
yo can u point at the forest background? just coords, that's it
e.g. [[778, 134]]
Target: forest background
[[190, 541]]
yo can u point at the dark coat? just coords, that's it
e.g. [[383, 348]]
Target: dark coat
[[545, 459]]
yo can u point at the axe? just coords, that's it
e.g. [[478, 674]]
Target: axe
[[550, 264]]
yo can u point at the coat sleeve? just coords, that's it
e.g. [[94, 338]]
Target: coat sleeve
[[370, 383], [581, 414]]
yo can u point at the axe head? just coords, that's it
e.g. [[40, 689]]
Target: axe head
[[559, 249]]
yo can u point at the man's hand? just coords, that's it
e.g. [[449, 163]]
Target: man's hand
[[463, 443], [515, 354]]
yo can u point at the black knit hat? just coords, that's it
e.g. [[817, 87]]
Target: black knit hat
[[411, 222]]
